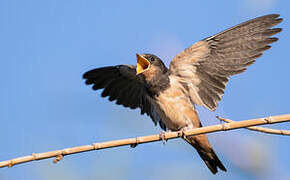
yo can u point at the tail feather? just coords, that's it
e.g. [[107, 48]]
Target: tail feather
[[212, 161], [201, 144]]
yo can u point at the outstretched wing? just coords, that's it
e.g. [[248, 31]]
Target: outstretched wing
[[122, 84], [205, 67]]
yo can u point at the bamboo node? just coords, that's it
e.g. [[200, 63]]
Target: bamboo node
[[65, 151], [225, 126], [11, 163], [269, 120], [34, 155], [96, 146], [137, 141]]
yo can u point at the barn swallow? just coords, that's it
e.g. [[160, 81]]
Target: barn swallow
[[196, 76]]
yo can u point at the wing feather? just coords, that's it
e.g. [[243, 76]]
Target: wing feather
[[122, 84], [205, 67]]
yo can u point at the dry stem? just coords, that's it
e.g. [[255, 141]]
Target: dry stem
[[59, 154], [261, 129]]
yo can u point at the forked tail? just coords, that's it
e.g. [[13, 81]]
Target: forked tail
[[204, 149]]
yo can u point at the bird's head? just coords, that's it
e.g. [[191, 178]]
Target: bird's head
[[150, 66]]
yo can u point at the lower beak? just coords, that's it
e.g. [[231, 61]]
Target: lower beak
[[142, 64]]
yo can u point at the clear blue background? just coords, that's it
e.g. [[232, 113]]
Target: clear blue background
[[46, 46]]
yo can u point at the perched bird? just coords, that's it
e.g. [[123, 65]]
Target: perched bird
[[196, 76]]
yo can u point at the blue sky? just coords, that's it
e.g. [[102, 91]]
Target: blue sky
[[46, 46]]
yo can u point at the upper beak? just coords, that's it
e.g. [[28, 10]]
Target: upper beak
[[142, 64]]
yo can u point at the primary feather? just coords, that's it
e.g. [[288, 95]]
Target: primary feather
[[205, 67]]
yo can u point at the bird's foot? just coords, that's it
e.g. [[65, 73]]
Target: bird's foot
[[133, 145], [182, 132], [137, 141], [163, 137]]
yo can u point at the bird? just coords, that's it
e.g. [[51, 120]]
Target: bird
[[196, 76]]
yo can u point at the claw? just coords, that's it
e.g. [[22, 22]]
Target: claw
[[163, 137], [133, 145], [182, 131]]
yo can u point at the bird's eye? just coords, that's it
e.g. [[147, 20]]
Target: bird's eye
[[152, 59]]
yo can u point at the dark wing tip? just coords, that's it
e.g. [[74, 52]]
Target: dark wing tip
[[87, 74], [89, 81], [272, 40], [278, 20], [274, 15], [278, 30], [274, 31], [264, 48]]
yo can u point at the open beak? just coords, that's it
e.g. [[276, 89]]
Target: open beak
[[142, 64]]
